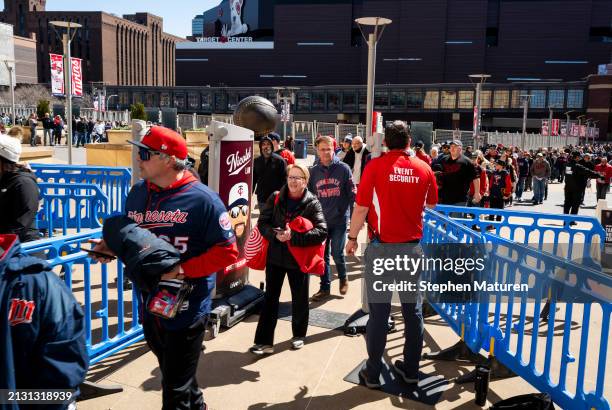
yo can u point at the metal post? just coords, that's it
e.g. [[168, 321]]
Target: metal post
[[139, 129], [68, 90], [478, 91], [525, 107], [12, 85], [371, 73]]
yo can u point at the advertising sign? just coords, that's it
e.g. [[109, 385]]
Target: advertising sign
[[476, 117], [554, 127], [575, 130], [231, 175], [57, 75], [544, 127], [564, 129], [583, 131], [377, 122]]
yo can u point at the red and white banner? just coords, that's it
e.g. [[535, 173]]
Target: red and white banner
[[57, 75], [545, 127], [564, 129], [575, 130], [583, 130], [475, 120], [377, 122], [554, 127]]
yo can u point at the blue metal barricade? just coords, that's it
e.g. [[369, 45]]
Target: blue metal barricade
[[71, 206], [115, 182], [111, 313]]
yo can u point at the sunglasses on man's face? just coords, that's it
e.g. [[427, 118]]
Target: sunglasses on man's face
[[237, 210], [145, 154]]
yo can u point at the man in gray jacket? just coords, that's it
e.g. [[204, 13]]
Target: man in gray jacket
[[331, 181], [540, 171]]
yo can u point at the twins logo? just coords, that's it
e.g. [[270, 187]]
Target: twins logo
[[21, 311]]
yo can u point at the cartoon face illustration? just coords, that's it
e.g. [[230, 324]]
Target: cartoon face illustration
[[236, 12], [239, 208]]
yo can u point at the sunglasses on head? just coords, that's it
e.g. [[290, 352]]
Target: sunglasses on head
[[145, 154]]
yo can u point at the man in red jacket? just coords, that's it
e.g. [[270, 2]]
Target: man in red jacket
[[420, 153], [171, 203], [603, 182]]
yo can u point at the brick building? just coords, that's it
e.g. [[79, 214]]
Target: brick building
[[133, 50]]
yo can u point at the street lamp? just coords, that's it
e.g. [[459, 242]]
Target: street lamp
[[66, 39], [109, 98], [372, 40], [526, 98], [10, 69], [481, 78], [286, 101]]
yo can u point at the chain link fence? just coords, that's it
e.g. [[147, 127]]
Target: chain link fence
[[531, 141]]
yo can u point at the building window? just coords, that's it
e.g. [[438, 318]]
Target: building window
[[206, 101], [164, 99], [538, 98], [363, 100], [303, 101], [398, 99], [318, 101], [414, 99], [466, 99], [193, 101], [137, 98], [556, 98], [449, 99], [501, 99], [179, 101], [233, 101], [485, 99], [220, 101], [151, 100], [349, 102], [600, 34], [333, 101], [516, 98], [492, 36], [124, 98], [431, 100], [574, 98], [381, 99]]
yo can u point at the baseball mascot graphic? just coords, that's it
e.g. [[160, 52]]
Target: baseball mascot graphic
[[238, 27], [239, 211]]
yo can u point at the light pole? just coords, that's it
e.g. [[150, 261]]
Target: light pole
[[109, 98], [371, 40], [66, 39], [10, 70], [285, 101], [526, 98], [481, 78]]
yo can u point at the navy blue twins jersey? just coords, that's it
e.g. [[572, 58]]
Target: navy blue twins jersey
[[193, 219]]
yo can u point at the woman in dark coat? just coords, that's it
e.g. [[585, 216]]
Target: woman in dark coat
[[294, 200]]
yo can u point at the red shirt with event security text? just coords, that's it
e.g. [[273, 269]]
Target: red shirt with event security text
[[396, 187]]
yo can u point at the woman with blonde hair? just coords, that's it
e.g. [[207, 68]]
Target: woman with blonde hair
[[280, 213]]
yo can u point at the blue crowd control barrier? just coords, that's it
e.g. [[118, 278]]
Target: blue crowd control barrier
[[548, 232], [71, 206], [115, 182], [461, 317], [111, 314], [581, 331]]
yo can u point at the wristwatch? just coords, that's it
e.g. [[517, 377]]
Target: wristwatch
[[351, 239]]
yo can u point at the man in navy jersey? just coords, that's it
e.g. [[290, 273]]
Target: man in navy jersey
[[174, 205]]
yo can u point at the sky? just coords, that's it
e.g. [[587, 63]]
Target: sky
[[177, 14]]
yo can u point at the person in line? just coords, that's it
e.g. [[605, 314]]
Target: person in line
[[47, 123], [269, 172], [283, 152], [540, 172], [500, 186], [19, 194], [331, 181], [58, 128], [421, 154], [605, 174], [281, 210], [201, 231], [357, 158], [346, 147], [33, 123], [394, 208], [523, 172], [458, 173], [481, 168], [43, 327], [576, 176]]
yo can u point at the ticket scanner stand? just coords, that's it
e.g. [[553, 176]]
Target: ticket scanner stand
[[230, 174]]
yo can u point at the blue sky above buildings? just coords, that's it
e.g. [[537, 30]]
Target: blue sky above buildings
[[177, 14]]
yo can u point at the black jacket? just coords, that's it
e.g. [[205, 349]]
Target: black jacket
[[576, 178], [47, 123], [269, 175], [349, 158], [275, 216], [146, 257], [203, 167], [19, 198]]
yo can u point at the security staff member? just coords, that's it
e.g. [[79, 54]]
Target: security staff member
[[576, 176], [171, 203], [393, 192]]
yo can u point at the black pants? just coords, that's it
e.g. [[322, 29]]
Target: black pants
[[573, 198], [602, 190], [496, 203], [298, 282], [178, 353]]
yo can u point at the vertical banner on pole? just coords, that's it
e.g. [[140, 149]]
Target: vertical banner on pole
[[544, 127], [575, 130], [377, 122], [583, 131], [77, 77], [57, 74], [554, 127], [476, 117], [564, 129]]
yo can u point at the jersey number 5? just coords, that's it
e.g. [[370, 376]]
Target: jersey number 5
[[180, 242]]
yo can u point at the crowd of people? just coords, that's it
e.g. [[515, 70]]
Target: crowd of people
[[308, 216]]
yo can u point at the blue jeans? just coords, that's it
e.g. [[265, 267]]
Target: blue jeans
[[520, 187], [81, 138], [539, 185], [336, 234]]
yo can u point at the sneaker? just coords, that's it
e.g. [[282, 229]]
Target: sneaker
[[398, 366], [363, 376], [344, 285], [297, 343], [261, 349], [320, 295]]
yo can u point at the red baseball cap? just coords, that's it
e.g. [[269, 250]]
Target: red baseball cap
[[165, 140]]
